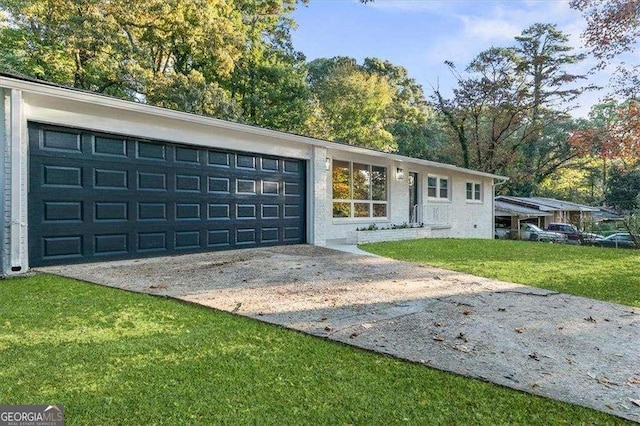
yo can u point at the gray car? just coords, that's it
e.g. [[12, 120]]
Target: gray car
[[532, 232], [617, 240]]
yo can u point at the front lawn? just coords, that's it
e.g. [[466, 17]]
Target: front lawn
[[113, 357], [606, 274]]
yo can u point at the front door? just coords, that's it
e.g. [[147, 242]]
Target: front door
[[413, 197]]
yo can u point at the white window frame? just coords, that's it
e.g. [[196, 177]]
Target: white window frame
[[476, 191], [370, 201], [439, 187]]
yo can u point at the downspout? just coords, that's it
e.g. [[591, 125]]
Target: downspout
[[495, 184]]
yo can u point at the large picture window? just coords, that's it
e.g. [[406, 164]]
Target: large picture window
[[359, 190]]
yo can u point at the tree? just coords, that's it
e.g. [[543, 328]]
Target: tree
[[613, 26], [228, 58], [508, 114], [269, 79], [353, 103], [579, 181], [624, 190], [118, 47], [610, 135]]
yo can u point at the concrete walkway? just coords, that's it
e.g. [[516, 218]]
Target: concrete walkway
[[564, 347]]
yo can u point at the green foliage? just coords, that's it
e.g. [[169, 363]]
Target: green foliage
[[580, 181], [624, 190], [598, 273], [508, 114], [228, 58], [353, 103], [114, 357]]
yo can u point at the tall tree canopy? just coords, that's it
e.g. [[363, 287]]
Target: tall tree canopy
[[613, 26], [375, 104], [229, 58], [508, 114], [353, 103]]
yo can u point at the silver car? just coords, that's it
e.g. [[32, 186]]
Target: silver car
[[532, 232]]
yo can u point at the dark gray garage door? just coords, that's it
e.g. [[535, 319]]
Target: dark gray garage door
[[102, 197]]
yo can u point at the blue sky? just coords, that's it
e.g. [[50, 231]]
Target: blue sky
[[421, 34]]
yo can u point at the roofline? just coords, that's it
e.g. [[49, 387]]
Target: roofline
[[40, 87], [541, 204]]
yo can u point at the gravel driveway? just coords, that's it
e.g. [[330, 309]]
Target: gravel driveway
[[564, 347]]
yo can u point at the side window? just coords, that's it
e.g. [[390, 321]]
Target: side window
[[438, 187]]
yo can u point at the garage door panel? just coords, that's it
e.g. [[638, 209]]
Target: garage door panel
[[98, 197]]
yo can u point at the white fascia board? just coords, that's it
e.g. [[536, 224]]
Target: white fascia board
[[88, 97]]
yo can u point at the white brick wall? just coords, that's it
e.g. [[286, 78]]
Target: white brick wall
[[455, 217], [320, 204]]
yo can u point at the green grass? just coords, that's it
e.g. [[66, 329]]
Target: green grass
[[599, 273], [113, 357]]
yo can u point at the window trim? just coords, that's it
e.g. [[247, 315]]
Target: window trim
[[476, 189], [352, 201], [439, 188]]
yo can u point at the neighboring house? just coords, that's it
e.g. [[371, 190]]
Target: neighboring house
[[511, 211], [87, 177]]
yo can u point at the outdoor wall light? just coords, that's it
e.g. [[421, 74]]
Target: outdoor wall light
[[327, 164], [399, 173]]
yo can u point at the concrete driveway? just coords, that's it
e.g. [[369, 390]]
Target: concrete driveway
[[564, 347]]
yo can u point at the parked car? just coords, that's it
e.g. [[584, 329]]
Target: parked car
[[531, 232], [573, 234], [590, 237], [502, 233], [617, 240]]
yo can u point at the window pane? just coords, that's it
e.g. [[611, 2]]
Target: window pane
[[341, 209], [477, 191], [362, 210], [361, 181], [379, 210], [432, 185], [444, 188], [469, 191], [341, 178], [379, 183]]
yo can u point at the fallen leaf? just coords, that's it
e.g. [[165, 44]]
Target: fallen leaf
[[609, 406], [590, 319], [438, 324], [353, 335], [570, 361], [604, 380], [467, 312], [327, 328], [461, 348], [534, 356], [323, 319], [520, 329], [502, 309], [461, 337], [634, 380], [438, 338], [158, 286], [635, 401]]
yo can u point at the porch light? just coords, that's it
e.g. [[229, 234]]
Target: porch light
[[399, 173], [327, 164]]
